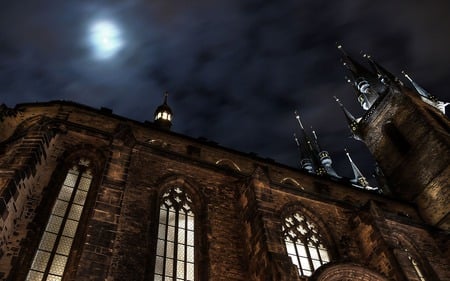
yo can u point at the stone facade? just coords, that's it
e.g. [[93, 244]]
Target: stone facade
[[240, 201]]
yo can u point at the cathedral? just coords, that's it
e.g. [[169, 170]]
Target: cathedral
[[90, 195]]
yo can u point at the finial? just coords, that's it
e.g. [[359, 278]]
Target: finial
[[166, 94], [297, 116], [296, 140]]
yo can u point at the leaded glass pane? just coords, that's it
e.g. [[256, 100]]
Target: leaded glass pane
[[171, 217], [65, 193], [181, 220], [47, 241], [190, 238], [170, 233], [40, 260], [313, 252], [162, 231], [80, 197], [190, 271], [301, 250], [54, 224], [159, 265], [169, 267], [190, 222], [58, 264], [84, 183], [170, 249], [65, 243], [160, 247], [157, 277], [324, 255], [316, 264], [71, 179], [180, 269], [60, 208], [180, 254], [75, 212], [70, 228], [181, 234], [163, 216], [35, 276], [190, 254], [53, 278], [290, 248]]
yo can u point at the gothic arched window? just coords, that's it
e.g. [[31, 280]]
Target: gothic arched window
[[175, 244], [53, 252], [304, 244]]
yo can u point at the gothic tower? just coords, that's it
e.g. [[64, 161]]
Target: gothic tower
[[408, 133]]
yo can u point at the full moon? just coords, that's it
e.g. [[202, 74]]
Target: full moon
[[105, 39]]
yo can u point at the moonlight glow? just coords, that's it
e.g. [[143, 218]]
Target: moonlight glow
[[105, 39]]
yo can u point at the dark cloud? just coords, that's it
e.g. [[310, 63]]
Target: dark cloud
[[236, 70]]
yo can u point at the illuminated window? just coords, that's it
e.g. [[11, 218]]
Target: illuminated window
[[304, 244], [175, 245], [54, 248]]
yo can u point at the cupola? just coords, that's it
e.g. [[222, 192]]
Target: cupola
[[163, 115]]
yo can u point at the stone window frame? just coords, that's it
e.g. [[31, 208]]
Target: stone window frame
[[72, 155], [193, 190], [325, 235], [63, 224]]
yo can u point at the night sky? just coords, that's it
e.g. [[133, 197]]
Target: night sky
[[235, 70]]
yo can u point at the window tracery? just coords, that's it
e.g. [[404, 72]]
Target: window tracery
[[175, 244], [304, 244]]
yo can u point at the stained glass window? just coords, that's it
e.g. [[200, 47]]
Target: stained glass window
[[175, 244], [304, 244], [53, 251]]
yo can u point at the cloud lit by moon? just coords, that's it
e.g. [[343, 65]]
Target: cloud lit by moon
[[105, 39]]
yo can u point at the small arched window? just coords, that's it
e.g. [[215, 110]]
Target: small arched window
[[175, 257], [304, 244], [53, 252]]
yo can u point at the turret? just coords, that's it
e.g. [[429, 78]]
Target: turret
[[324, 157], [368, 85], [313, 158], [163, 115]]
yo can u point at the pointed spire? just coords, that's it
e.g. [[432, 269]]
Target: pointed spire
[[313, 158], [305, 162], [306, 156], [352, 122], [419, 89], [359, 178], [386, 77], [427, 97], [324, 157], [366, 82]]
